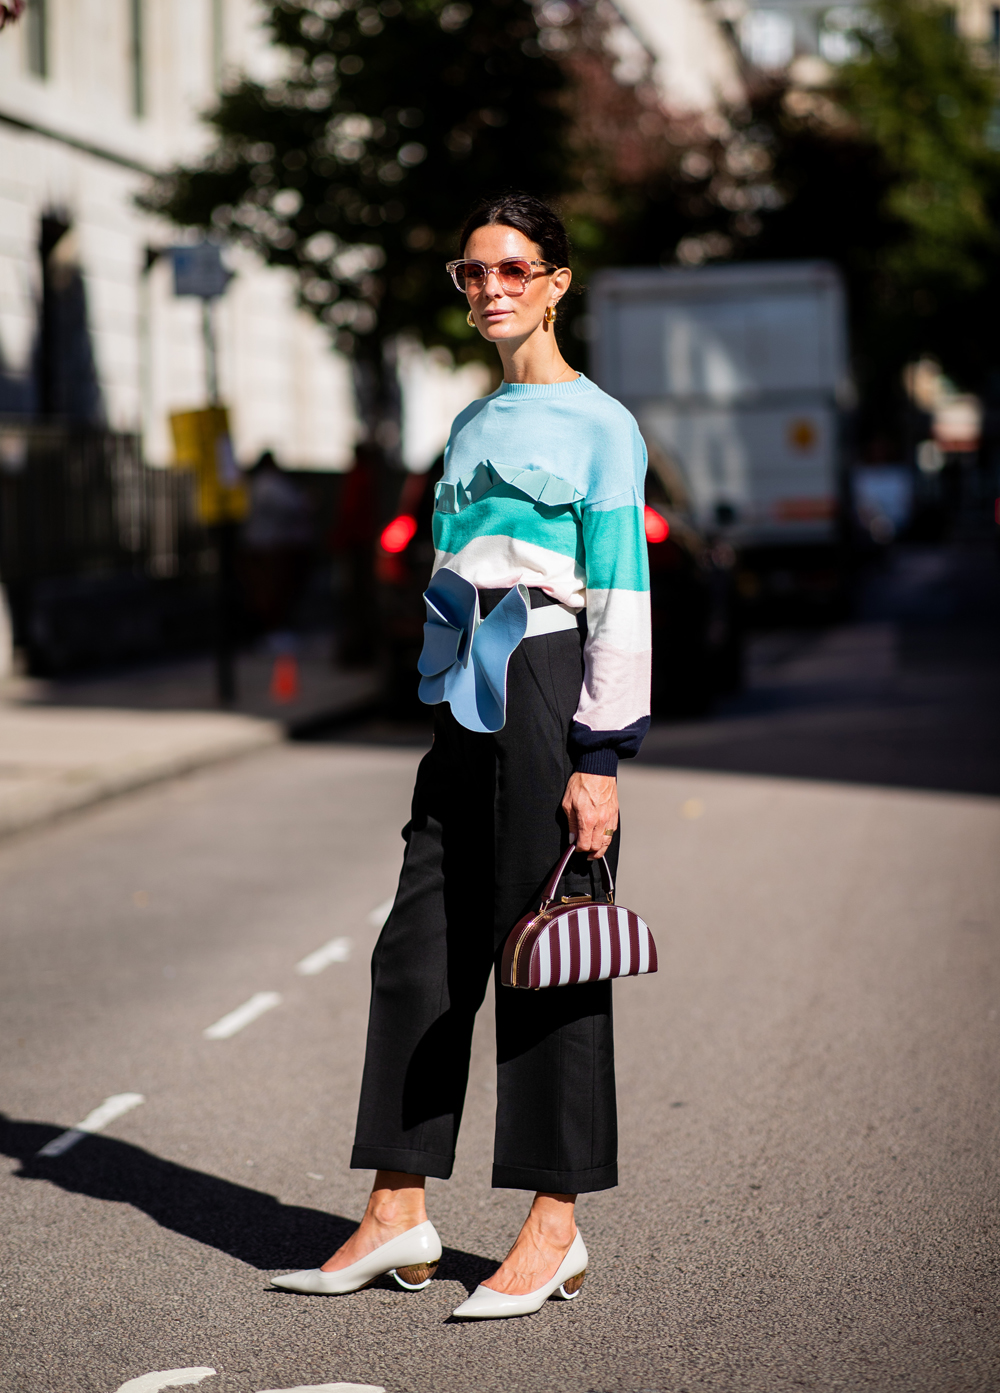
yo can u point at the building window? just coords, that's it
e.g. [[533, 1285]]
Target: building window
[[137, 57], [36, 22]]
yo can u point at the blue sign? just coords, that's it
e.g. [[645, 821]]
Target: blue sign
[[198, 270]]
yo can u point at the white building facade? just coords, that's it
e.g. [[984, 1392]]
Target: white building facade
[[95, 96]]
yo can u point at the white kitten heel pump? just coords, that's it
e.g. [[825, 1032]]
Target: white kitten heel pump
[[486, 1304], [411, 1258]]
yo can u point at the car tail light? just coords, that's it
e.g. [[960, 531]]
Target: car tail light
[[657, 527], [398, 534]]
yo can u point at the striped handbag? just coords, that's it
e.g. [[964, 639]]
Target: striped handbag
[[576, 939]]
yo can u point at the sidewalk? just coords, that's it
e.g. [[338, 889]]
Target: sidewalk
[[66, 744]]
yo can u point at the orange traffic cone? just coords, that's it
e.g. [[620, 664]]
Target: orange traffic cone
[[285, 678]]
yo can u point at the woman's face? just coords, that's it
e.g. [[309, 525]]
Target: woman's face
[[502, 317]]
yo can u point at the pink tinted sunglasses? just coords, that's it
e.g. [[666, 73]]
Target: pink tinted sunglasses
[[513, 273]]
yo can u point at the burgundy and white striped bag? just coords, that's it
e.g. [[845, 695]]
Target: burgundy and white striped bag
[[576, 939]]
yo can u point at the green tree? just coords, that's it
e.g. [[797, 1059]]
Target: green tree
[[891, 171], [356, 167], [919, 95]]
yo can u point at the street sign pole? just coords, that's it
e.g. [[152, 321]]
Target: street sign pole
[[198, 271], [208, 336], [225, 538]]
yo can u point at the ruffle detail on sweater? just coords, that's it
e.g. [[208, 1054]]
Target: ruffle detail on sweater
[[537, 484]]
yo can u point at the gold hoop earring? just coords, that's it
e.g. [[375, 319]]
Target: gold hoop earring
[[550, 314], [470, 321]]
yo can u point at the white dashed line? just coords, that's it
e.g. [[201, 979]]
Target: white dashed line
[[243, 1015], [95, 1121], [379, 915], [329, 1388], [338, 950], [166, 1378]]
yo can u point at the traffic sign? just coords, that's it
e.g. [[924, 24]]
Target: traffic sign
[[199, 270]]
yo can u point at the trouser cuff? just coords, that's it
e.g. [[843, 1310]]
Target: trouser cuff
[[558, 1182], [387, 1158]]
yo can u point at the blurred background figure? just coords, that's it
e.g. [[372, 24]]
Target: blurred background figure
[[277, 553], [352, 540]]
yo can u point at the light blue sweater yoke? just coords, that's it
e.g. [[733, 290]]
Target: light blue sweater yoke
[[543, 486], [571, 431]]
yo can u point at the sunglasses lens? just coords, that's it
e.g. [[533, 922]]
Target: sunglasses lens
[[470, 275], [514, 276]]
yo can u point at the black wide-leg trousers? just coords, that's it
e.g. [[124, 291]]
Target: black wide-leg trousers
[[485, 833]]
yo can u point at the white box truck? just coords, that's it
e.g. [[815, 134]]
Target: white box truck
[[738, 376]]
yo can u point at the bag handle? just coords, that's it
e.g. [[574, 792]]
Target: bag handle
[[548, 894]]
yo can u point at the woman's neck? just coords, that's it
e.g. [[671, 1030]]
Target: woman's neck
[[535, 359]]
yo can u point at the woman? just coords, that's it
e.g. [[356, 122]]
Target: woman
[[543, 489]]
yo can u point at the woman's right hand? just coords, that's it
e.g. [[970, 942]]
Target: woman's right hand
[[591, 807]]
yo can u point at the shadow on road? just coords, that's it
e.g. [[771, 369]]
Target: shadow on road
[[907, 695], [247, 1224]]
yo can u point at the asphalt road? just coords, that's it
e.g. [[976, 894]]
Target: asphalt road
[[808, 1095]]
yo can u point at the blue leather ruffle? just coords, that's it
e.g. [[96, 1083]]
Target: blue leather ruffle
[[537, 484], [464, 658]]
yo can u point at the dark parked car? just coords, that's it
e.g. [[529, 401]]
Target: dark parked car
[[697, 631]]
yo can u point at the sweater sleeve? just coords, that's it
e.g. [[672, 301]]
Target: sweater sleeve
[[613, 714]]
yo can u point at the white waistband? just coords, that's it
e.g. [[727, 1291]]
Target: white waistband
[[549, 619]]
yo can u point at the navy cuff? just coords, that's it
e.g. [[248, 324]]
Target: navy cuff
[[600, 761]]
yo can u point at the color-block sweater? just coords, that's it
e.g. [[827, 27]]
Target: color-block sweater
[[543, 485]]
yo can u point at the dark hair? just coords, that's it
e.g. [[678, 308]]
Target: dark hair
[[525, 213]]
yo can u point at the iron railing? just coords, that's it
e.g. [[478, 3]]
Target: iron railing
[[102, 557]]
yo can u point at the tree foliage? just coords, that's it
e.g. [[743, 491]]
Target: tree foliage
[[356, 167], [891, 170]]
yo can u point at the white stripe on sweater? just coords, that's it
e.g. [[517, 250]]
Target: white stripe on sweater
[[497, 563], [615, 687], [620, 618]]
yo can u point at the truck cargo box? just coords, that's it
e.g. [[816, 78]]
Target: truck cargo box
[[739, 375]]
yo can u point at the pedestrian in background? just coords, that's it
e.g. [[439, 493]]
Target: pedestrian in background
[[276, 559], [542, 489]]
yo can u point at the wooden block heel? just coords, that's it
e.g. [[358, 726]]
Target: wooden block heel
[[571, 1288], [415, 1278], [487, 1304]]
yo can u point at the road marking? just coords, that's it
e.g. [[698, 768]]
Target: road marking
[[166, 1378], [338, 950], [329, 1388], [95, 1121], [380, 914], [243, 1015]]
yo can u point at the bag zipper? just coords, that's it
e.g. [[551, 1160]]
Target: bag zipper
[[540, 917]]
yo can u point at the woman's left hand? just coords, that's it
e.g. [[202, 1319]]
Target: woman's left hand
[[591, 805]]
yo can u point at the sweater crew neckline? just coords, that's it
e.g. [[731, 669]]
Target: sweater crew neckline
[[545, 389]]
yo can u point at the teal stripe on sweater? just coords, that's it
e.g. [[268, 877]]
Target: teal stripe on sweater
[[614, 540], [505, 512]]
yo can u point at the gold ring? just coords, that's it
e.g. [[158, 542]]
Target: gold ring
[[609, 832]]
